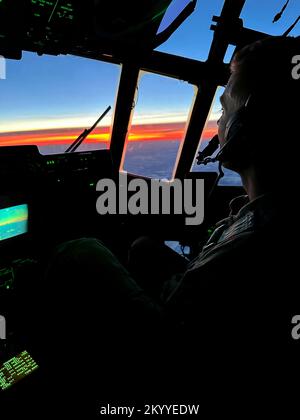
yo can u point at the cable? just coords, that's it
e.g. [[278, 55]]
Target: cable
[[221, 174]]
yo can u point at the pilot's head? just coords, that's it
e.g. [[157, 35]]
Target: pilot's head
[[260, 116]]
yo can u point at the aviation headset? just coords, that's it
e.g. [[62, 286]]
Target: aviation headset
[[235, 137], [250, 121]]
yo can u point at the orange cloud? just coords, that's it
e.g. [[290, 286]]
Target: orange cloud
[[141, 132]]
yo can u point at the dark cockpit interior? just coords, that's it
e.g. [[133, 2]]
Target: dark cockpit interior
[[47, 199]]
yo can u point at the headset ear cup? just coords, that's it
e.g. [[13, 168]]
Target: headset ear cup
[[235, 137]]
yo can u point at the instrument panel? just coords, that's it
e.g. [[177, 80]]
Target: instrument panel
[[58, 191], [19, 164], [62, 26]]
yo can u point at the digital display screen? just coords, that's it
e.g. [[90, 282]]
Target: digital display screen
[[13, 221], [16, 369], [53, 9]]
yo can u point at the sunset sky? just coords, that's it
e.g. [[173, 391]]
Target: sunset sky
[[50, 100]]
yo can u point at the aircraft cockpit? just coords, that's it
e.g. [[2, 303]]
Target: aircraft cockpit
[[102, 102]]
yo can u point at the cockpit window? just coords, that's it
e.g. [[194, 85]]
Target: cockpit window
[[174, 10], [193, 38], [48, 101], [230, 178], [161, 112], [271, 17]]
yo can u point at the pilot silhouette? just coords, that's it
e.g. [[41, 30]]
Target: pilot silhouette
[[227, 313]]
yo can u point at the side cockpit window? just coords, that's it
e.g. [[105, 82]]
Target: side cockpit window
[[49, 100], [211, 128]]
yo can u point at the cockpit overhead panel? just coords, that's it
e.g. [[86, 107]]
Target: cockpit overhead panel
[[60, 26]]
